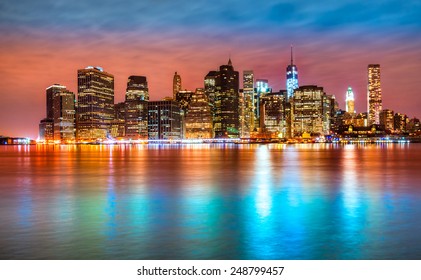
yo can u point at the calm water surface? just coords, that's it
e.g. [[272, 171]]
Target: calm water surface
[[211, 202]]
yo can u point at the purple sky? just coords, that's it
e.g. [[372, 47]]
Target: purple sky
[[45, 42]]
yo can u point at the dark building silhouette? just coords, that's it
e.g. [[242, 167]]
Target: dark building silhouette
[[222, 88]]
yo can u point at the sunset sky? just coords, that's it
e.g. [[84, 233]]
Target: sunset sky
[[45, 42]]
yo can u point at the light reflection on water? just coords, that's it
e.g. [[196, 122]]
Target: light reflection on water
[[210, 202]]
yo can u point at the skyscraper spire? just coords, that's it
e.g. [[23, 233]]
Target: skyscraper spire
[[292, 59], [229, 61], [292, 76]]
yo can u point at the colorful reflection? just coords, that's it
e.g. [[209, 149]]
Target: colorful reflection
[[210, 202]]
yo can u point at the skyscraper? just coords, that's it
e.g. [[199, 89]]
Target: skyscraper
[[247, 116], [183, 97], [137, 88], [273, 114], [164, 120], [198, 120], [374, 94], [292, 77], [136, 108], [210, 90], [350, 108], [387, 119], [60, 110], [226, 118], [95, 103], [176, 84], [64, 115], [118, 125], [262, 88], [311, 110]]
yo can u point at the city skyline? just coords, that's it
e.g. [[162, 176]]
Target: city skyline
[[332, 48]]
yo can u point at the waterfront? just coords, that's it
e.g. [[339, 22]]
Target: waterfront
[[210, 201]]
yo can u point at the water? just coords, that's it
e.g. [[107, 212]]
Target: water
[[273, 201]]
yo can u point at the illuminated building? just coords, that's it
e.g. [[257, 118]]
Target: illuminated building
[[164, 120], [198, 121], [400, 122], [46, 130], [118, 125], [59, 124], [210, 85], [262, 88], [272, 118], [176, 84], [63, 114], [226, 111], [387, 119], [247, 117], [311, 111], [183, 97], [374, 94], [95, 110], [292, 78], [210, 89], [350, 107], [414, 126], [136, 108]]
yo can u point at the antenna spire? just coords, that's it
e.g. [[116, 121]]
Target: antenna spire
[[292, 61]]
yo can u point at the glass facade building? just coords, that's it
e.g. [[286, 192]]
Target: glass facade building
[[198, 121], [164, 120], [374, 94], [136, 108], [95, 110]]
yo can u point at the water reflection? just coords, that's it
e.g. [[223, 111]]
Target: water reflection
[[210, 202]]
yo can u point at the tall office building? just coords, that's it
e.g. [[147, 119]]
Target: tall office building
[[60, 110], [46, 132], [137, 88], [64, 115], [311, 111], [400, 122], [50, 92], [118, 125], [95, 110], [273, 118], [262, 88], [210, 85], [176, 84], [292, 77], [164, 120], [183, 97], [247, 117], [198, 121], [350, 107], [136, 108], [387, 119], [210, 90], [226, 117], [374, 94]]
